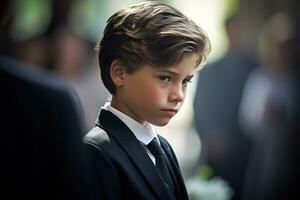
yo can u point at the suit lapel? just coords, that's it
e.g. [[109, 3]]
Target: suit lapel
[[178, 181], [128, 142]]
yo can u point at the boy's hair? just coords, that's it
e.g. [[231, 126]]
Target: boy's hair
[[150, 33]]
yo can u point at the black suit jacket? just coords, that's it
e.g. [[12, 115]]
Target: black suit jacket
[[42, 153], [123, 168]]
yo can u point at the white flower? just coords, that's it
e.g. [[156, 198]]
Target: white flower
[[213, 189]]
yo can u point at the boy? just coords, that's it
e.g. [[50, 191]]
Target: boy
[[147, 56]]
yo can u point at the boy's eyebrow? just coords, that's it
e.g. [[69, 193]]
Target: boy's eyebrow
[[173, 72], [190, 76]]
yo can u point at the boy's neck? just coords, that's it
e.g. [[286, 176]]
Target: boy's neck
[[115, 103]]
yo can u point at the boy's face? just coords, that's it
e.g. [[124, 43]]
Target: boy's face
[[155, 95]]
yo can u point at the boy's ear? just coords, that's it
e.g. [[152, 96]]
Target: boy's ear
[[117, 73]]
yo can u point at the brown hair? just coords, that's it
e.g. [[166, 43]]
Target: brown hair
[[150, 33]]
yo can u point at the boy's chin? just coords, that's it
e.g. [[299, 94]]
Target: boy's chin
[[161, 122]]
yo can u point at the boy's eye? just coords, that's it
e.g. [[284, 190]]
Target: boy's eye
[[186, 81], [164, 78]]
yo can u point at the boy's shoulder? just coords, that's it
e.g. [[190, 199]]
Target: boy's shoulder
[[96, 136]]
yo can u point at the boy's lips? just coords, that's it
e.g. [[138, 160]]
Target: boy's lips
[[170, 111]]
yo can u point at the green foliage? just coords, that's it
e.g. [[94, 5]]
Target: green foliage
[[231, 7], [205, 172]]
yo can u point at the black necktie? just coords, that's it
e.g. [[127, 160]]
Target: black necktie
[[160, 161]]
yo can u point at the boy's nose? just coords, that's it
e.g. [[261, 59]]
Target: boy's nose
[[177, 94]]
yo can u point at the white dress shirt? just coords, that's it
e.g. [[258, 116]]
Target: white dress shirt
[[143, 132]]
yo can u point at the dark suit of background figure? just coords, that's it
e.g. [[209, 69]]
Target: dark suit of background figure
[[270, 113], [41, 149], [216, 104], [124, 169]]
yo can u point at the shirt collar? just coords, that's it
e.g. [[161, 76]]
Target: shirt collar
[[144, 133]]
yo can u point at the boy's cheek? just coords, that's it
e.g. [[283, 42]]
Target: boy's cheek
[[153, 96]]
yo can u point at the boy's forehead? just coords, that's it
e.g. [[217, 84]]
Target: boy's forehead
[[178, 70], [187, 60], [171, 70]]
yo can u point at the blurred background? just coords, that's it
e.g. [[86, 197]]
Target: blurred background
[[240, 118]]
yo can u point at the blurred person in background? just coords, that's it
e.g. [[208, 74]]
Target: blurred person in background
[[268, 115], [74, 59], [56, 48], [62, 51], [42, 155], [220, 84]]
